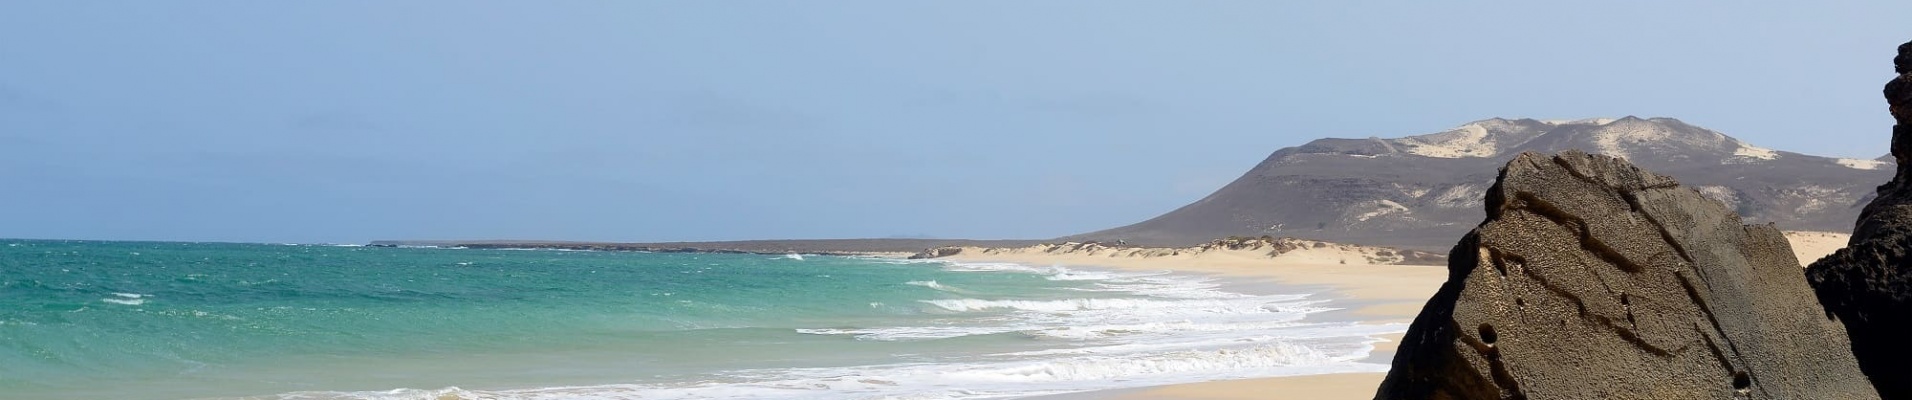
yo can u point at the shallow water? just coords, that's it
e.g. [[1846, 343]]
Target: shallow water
[[196, 320]]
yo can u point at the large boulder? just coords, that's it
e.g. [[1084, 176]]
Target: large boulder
[[1867, 285], [1594, 279]]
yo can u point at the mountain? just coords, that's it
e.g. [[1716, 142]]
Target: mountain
[[1425, 191]]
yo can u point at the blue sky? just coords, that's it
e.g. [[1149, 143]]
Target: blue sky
[[347, 121]]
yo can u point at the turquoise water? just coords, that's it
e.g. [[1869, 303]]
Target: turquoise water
[[85, 320]]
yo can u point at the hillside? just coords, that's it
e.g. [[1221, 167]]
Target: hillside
[[1424, 191]]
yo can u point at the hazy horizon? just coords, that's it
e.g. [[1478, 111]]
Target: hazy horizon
[[345, 122]]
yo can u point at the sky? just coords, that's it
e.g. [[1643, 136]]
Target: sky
[[349, 121]]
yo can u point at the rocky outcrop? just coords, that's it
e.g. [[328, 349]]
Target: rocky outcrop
[[1592, 279], [1867, 285], [937, 252]]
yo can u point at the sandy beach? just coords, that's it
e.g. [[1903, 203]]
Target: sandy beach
[[1378, 293], [1373, 292], [1810, 246]]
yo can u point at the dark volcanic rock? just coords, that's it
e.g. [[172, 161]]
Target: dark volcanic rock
[[1867, 285], [1897, 93], [1594, 279]]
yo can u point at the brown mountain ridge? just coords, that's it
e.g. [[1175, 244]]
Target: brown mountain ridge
[[1422, 191]]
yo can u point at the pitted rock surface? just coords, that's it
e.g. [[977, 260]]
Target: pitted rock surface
[[1592, 278]]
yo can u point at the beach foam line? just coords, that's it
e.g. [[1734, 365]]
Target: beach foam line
[[938, 286], [130, 299], [1235, 333], [933, 381], [131, 302], [912, 332], [971, 305], [1165, 328]]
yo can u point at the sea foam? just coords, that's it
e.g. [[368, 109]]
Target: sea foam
[[131, 299], [937, 286], [1161, 328], [939, 381], [1090, 330]]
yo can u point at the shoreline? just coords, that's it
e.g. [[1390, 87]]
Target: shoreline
[[1364, 284], [1385, 292], [1363, 293], [1367, 293]]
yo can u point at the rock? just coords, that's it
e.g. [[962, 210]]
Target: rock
[[1903, 63], [1866, 285], [1594, 279], [937, 252]]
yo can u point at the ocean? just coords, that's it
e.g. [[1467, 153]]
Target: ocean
[[150, 320]]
